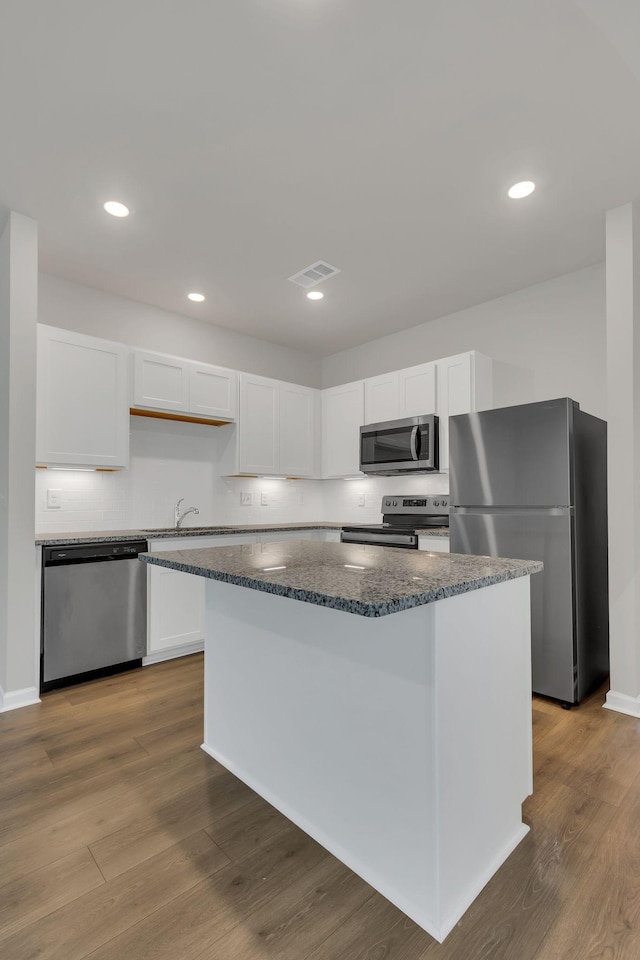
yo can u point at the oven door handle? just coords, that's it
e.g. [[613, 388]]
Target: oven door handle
[[415, 443], [377, 539]]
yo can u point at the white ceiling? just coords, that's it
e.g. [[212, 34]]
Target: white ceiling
[[253, 137]]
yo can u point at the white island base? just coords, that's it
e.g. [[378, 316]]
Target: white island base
[[402, 743]]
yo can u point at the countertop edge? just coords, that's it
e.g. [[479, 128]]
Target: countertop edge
[[119, 536], [359, 608]]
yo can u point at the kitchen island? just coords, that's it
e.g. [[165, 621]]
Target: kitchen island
[[381, 699]]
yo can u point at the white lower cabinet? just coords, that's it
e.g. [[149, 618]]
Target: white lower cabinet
[[433, 544], [276, 536], [323, 536], [175, 620], [329, 536]]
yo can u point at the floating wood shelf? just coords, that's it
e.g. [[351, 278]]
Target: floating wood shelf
[[185, 418]]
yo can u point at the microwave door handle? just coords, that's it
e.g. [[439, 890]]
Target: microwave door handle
[[415, 435]]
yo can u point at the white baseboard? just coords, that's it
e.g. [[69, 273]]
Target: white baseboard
[[14, 699], [622, 703], [196, 646]]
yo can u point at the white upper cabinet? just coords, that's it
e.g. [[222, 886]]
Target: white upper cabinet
[[381, 398], [459, 384], [277, 428], [417, 390], [402, 393], [183, 387], [213, 391], [159, 382], [259, 425], [299, 411], [82, 401], [342, 417], [464, 386]]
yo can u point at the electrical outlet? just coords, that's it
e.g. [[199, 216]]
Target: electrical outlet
[[361, 500], [264, 498], [54, 499], [246, 498]]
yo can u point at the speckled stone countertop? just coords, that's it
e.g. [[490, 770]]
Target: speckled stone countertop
[[169, 533], [215, 530], [365, 580]]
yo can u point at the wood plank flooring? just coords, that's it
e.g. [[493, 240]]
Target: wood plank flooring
[[120, 838]]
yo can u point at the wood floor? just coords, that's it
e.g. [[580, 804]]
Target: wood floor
[[120, 838]]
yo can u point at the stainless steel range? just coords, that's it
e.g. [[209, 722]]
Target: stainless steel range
[[401, 517]]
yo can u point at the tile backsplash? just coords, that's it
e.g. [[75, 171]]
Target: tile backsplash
[[172, 460]]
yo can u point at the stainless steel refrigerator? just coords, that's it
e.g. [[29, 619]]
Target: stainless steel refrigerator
[[530, 482]]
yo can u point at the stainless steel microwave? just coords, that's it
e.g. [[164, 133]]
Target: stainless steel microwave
[[400, 446]]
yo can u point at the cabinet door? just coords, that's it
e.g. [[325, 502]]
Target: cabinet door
[[329, 536], [82, 403], [176, 600], [212, 391], [454, 396], [298, 414], [342, 417], [434, 544], [159, 382], [259, 425], [176, 609], [417, 390], [281, 535], [381, 398]]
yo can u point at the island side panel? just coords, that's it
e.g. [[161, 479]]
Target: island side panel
[[330, 717], [483, 688]]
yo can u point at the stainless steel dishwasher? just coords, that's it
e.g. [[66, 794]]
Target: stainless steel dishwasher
[[94, 611]]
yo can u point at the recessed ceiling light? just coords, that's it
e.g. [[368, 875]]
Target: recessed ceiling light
[[196, 297], [522, 189], [315, 295], [116, 209]]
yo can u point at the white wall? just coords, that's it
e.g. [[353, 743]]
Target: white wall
[[18, 309], [98, 314], [341, 498], [172, 460], [549, 341], [168, 461], [623, 377]]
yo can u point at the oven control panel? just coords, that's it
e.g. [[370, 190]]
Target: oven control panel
[[426, 506]]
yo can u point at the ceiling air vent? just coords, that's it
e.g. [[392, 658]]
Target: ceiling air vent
[[316, 273]]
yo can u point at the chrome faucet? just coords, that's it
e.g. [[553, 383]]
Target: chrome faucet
[[181, 515]]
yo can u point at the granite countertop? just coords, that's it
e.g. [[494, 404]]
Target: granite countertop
[[170, 533], [365, 580]]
